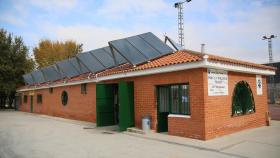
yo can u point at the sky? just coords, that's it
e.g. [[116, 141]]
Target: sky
[[230, 28]]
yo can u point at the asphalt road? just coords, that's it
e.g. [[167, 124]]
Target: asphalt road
[[24, 135]]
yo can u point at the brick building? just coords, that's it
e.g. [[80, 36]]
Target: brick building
[[185, 93]]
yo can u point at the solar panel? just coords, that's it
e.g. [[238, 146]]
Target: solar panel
[[78, 65], [128, 51], [141, 48], [103, 57], [156, 43], [38, 76], [51, 74], [67, 68], [28, 79], [135, 50], [119, 59], [90, 62]]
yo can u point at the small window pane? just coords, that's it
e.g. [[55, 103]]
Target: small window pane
[[163, 99], [185, 99], [175, 99], [39, 98], [51, 90], [25, 99], [64, 98], [84, 88]]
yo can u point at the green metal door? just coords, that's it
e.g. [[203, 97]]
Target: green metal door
[[126, 105], [104, 105], [31, 103], [163, 101]]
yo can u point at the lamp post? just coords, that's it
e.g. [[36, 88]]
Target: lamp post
[[271, 78], [180, 6], [269, 39]]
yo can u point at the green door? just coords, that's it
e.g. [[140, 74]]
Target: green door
[[104, 105], [126, 105], [163, 96], [31, 103]]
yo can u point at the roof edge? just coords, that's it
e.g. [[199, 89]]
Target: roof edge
[[205, 63]]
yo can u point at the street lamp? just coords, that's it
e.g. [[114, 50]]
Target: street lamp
[[269, 39], [180, 7]]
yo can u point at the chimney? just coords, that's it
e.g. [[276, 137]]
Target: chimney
[[202, 47]]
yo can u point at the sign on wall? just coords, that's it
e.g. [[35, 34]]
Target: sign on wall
[[259, 84], [217, 82]]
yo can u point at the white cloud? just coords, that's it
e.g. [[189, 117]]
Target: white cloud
[[241, 39], [12, 19], [91, 36], [54, 5], [124, 8]]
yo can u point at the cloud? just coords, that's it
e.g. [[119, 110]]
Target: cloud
[[90, 36], [229, 28], [12, 19], [124, 8], [239, 38], [54, 5]]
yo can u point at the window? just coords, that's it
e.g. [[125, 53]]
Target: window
[[175, 107], [51, 90], [84, 88], [174, 99], [242, 99], [64, 98], [25, 98], [39, 98]]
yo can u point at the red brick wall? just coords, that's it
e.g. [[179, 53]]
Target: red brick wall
[[218, 109], [79, 107], [145, 101]]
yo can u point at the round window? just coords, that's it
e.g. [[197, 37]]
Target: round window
[[64, 98]]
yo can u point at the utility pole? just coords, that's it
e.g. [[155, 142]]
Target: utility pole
[[269, 39], [180, 7]]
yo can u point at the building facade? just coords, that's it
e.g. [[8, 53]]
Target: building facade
[[186, 94]]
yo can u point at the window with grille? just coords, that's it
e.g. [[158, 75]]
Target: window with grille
[[242, 99], [174, 99], [64, 98], [39, 98], [84, 88], [51, 90], [25, 98]]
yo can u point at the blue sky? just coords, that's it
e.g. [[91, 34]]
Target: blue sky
[[231, 28]]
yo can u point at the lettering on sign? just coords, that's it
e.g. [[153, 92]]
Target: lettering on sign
[[259, 84], [217, 82]]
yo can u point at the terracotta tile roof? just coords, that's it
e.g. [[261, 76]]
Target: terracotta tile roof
[[171, 59]]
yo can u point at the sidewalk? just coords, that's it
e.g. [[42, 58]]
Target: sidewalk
[[260, 142]]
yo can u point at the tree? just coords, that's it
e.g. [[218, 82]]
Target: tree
[[48, 52], [14, 62]]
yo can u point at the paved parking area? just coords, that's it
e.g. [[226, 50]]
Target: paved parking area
[[24, 135]]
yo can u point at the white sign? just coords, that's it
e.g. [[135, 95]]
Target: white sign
[[259, 84], [217, 82]]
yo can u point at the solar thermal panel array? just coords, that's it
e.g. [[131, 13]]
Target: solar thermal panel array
[[134, 50]]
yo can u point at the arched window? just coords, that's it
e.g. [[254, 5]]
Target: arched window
[[242, 99], [64, 98]]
